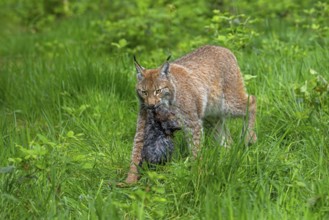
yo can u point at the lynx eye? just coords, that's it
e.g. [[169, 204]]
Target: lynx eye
[[144, 92], [158, 91]]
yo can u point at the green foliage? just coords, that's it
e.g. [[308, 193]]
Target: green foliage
[[68, 110], [147, 26], [315, 20], [37, 15], [314, 92], [232, 31]]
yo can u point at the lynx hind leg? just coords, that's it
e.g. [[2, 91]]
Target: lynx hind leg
[[245, 106], [222, 133], [251, 136]]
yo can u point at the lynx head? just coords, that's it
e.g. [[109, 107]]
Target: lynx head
[[154, 86]]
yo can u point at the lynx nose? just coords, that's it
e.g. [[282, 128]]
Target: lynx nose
[[151, 106], [154, 106]]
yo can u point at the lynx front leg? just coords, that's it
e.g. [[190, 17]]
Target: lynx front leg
[[136, 155], [193, 134]]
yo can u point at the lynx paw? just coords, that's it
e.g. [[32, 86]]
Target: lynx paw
[[251, 138], [132, 178]]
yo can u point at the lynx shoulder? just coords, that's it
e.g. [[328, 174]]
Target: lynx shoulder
[[203, 84]]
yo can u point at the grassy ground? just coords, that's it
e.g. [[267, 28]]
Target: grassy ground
[[67, 123]]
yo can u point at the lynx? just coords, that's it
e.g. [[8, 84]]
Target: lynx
[[204, 84]]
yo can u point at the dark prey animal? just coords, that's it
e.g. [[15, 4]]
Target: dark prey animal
[[159, 130]]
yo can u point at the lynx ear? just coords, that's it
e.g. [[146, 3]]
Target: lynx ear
[[165, 68], [139, 69]]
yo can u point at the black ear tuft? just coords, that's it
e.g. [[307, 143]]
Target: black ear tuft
[[168, 57]]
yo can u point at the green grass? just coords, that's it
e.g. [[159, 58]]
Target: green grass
[[68, 117]]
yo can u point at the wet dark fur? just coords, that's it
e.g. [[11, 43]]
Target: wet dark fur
[[159, 130]]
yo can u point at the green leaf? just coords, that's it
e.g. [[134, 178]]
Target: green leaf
[[159, 199], [301, 184], [88, 165], [121, 44], [303, 89], [248, 77], [313, 72], [70, 134], [15, 160]]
